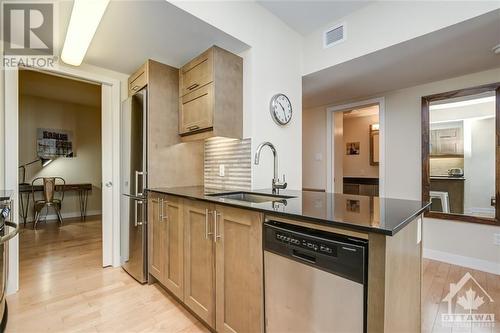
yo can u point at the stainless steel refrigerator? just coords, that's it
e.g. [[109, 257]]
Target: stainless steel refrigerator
[[134, 179]]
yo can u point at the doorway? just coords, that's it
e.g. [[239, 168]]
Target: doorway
[[355, 148], [110, 104]]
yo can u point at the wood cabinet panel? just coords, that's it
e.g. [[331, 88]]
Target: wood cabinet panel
[[197, 73], [447, 141], [239, 286], [156, 238], [199, 261], [197, 110], [138, 80], [171, 216]]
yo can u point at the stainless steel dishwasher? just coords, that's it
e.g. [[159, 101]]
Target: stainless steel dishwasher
[[315, 281]]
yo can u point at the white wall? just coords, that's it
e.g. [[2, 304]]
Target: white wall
[[357, 129], [272, 65], [386, 23], [85, 124], [403, 164]]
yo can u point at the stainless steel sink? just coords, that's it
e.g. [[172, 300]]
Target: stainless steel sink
[[251, 197]]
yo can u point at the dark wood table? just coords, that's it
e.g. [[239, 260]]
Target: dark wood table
[[82, 190]]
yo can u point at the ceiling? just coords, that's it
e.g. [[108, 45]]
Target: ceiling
[[132, 31], [454, 51], [308, 16], [38, 84]]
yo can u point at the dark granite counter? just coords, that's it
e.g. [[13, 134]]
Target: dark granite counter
[[5, 195], [446, 178], [369, 214]]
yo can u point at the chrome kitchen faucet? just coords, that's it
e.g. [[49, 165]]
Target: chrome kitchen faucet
[[276, 184]]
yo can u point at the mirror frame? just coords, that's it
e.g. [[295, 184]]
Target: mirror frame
[[373, 133], [426, 183]]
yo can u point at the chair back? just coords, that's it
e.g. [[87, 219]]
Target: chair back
[[50, 188]]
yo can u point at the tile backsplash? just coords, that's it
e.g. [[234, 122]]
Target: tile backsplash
[[235, 157], [440, 166]]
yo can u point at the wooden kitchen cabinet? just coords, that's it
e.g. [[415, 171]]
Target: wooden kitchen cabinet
[[211, 96], [156, 238], [239, 276], [447, 142], [171, 211], [199, 260], [166, 242], [138, 80]]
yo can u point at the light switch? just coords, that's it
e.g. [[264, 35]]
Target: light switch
[[222, 170]]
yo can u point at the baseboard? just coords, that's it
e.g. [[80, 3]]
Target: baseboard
[[70, 215], [469, 262]]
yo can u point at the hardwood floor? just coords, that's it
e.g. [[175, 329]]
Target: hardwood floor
[[63, 288], [437, 277]]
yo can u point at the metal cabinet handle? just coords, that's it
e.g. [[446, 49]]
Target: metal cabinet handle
[[191, 87], [216, 226], [207, 232], [193, 128], [163, 216]]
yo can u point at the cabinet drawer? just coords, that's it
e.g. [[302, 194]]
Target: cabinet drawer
[[196, 73], [196, 110], [137, 83]]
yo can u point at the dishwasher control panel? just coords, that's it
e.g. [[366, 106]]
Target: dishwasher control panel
[[309, 244]]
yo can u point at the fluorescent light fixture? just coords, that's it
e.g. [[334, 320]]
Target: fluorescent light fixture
[[85, 19], [462, 103]]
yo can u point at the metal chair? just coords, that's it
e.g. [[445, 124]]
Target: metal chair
[[50, 189]]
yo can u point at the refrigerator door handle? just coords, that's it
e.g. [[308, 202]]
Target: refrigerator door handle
[[137, 174], [136, 221]]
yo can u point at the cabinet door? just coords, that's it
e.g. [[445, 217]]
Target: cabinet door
[[197, 73], [171, 215], [156, 238], [196, 110], [239, 286], [138, 80], [199, 260]]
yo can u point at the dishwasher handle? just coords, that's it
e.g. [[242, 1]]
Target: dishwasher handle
[[304, 257]]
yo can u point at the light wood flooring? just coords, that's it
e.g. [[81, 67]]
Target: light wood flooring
[[63, 288]]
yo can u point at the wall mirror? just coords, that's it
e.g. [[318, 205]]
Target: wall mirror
[[461, 154], [374, 144]]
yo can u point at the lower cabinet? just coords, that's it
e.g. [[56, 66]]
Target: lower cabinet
[[238, 273], [222, 262], [166, 242]]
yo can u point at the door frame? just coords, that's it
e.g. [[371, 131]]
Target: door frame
[[110, 106], [330, 154]]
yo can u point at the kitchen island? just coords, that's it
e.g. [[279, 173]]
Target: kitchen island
[[207, 250]]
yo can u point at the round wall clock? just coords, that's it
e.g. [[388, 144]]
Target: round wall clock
[[281, 109]]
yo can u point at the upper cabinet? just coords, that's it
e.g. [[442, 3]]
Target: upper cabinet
[[138, 80], [447, 142], [211, 96]]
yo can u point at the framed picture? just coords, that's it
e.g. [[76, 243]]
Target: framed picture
[[53, 143], [352, 148]]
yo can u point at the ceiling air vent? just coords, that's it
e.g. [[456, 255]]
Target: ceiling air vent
[[334, 35]]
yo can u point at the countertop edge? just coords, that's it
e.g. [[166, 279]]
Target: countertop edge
[[318, 221]]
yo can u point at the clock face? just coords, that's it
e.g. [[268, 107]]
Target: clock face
[[281, 109]]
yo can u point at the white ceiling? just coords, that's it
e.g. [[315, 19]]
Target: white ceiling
[[307, 16], [456, 50], [39, 84], [134, 30]]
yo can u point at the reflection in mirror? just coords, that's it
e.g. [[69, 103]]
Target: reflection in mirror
[[462, 155]]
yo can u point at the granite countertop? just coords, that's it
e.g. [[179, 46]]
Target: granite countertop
[[368, 214], [5, 195]]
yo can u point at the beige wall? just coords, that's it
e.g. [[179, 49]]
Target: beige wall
[[357, 129], [85, 123], [404, 166], [314, 148]]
